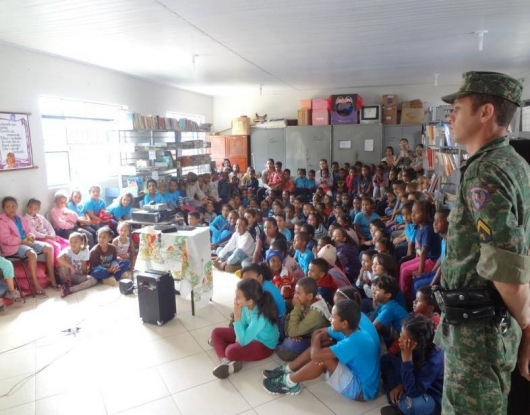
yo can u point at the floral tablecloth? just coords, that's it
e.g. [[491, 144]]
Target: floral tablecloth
[[185, 254]]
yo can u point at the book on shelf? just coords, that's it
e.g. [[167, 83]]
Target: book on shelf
[[155, 122]]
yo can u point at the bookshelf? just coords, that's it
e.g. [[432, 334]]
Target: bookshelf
[[443, 158], [171, 148]]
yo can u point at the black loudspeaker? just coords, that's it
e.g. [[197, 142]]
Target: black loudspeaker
[[156, 297]]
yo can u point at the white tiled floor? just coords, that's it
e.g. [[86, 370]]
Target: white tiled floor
[[117, 364]]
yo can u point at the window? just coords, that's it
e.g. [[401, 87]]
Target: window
[[80, 143]]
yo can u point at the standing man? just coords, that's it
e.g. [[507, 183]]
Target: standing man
[[485, 296]]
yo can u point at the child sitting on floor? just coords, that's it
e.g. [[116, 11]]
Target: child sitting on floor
[[310, 313], [73, 265], [351, 364], [255, 332], [414, 382], [318, 270], [104, 264], [124, 244], [388, 314], [280, 276], [302, 255]]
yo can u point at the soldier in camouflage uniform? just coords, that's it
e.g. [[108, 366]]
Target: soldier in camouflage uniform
[[487, 248]]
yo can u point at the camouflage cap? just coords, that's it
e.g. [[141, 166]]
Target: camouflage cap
[[490, 83]]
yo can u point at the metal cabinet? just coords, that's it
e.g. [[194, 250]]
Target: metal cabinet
[[305, 146], [266, 144], [393, 133], [357, 142]]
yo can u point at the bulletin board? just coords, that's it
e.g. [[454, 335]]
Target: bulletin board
[[15, 142]]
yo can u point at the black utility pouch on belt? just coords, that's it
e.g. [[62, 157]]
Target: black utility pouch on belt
[[471, 304]]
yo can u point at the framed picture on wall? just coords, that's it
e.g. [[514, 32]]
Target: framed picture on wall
[[15, 142]]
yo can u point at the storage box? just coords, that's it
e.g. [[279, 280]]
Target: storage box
[[412, 116], [304, 104], [320, 117], [389, 114], [389, 100], [415, 103], [241, 126], [304, 117], [320, 104], [337, 119], [345, 104]]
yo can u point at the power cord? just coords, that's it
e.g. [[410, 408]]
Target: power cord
[[73, 331]]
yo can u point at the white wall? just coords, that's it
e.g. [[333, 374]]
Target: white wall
[[25, 75], [286, 105]]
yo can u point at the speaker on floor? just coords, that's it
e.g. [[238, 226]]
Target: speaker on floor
[[156, 297]]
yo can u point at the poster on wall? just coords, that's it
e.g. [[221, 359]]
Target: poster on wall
[[15, 142]]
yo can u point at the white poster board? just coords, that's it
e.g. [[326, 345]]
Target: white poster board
[[15, 142]]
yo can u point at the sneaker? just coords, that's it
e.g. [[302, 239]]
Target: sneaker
[[226, 368], [274, 373], [278, 386], [390, 410]]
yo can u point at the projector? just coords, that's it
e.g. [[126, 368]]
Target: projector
[[156, 207]]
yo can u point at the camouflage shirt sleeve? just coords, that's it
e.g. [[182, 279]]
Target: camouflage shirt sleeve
[[492, 198]]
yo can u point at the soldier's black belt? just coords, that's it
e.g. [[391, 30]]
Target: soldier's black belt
[[464, 305]]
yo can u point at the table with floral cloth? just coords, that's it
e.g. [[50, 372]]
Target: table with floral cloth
[[185, 254]]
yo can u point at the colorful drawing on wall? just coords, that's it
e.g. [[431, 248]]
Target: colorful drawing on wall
[[15, 142]]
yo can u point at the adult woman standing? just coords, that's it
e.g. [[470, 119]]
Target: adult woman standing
[[390, 158]]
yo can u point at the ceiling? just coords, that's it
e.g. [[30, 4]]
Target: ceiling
[[228, 47]]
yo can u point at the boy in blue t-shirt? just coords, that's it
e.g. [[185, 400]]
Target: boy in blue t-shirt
[[440, 226], [388, 314], [173, 195], [348, 356], [302, 255], [300, 183], [152, 196], [364, 218]]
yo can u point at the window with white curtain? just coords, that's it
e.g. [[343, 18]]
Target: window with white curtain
[[80, 143]]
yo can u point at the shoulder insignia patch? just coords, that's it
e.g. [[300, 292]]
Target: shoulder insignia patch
[[480, 195], [484, 231]]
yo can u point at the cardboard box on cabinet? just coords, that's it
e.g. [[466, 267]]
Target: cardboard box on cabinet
[[304, 117], [241, 126], [320, 104], [304, 104], [320, 117], [389, 114], [389, 100], [412, 116]]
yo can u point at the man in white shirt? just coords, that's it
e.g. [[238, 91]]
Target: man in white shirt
[[240, 247]]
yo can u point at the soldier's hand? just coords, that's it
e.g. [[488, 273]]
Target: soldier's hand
[[524, 354]]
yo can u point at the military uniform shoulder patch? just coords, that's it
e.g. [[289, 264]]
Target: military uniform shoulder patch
[[480, 195], [484, 231]]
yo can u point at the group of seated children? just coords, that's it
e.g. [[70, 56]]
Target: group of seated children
[[77, 243], [358, 264]]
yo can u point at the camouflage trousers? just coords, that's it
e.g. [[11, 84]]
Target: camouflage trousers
[[473, 386]]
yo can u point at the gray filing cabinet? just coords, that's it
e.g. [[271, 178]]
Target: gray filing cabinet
[[393, 133], [306, 145], [365, 142], [266, 144]]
